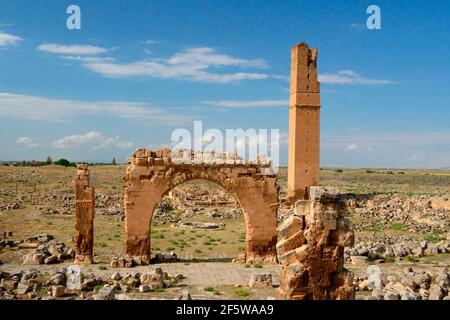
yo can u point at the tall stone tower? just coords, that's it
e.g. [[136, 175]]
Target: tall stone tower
[[304, 123]]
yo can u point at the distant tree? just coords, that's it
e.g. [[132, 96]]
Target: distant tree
[[49, 160], [113, 162], [63, 162]]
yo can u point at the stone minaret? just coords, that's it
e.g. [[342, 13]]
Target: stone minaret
[[304, 123]]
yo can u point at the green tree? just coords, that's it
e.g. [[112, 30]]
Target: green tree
[[113, 162], [63, 162], [49, 160]]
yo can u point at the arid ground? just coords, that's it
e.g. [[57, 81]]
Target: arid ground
[[401, 219]]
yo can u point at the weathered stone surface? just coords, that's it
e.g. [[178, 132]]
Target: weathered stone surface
[[58, 291], [294, 241], [23, 287], [185, 296], [34, 259], [85, 211], [74, 277], [304, 123], [105, 293], [289, 227], [260, 281], [144, 288]]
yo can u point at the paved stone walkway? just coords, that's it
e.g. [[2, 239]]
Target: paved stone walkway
[[219, 273], [199, 274]]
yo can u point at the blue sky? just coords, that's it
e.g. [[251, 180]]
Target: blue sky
[[137, 70]]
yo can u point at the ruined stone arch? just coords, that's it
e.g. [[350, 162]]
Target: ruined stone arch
[[151, 175]]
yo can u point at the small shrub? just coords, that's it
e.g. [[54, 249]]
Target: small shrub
[[157, 289], [390, 172], [257, 265], [412, 259], [338, 170], [102, 267], [397, 226], [97, 288], [198, 251], [389, 259], [433, 238], [376, 228], [242, 293], [370, 171]]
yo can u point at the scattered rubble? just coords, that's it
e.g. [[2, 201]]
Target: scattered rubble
[[407, 285], [72, 283]]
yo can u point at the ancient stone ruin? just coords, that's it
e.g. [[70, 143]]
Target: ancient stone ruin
[[311, 242], [152, 174], [304, 123], [85, 211], [310, 247]]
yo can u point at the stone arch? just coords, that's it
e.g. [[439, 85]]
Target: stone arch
[[151, 175]]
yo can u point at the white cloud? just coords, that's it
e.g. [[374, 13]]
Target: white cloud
[[8, 39], [150, 42], [351, 77], [191, 64], [247, 104], [27, 142], [93, 139], [88, 59], [352, 146], [82, 49], [38, 108]]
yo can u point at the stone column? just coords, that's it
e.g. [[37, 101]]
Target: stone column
[[85, 211], [304, 123]]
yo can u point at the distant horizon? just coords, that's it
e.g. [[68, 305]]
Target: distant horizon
[[284, 166]]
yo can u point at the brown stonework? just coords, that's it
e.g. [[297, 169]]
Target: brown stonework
[[313, 268], [85, 211], [152, 174], [304, 123]]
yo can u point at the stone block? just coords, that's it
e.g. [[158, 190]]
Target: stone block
[[290, 226], [260, 281], [319, 192], [58, 291], [303, 207], [291, 243]]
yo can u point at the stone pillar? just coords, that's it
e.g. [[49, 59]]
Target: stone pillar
[[304, 123], [85, 211], [311, 249]]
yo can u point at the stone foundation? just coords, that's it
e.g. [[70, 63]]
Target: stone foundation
[[311, 249]]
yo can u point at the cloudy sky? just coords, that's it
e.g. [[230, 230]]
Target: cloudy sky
[[138, 70]]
